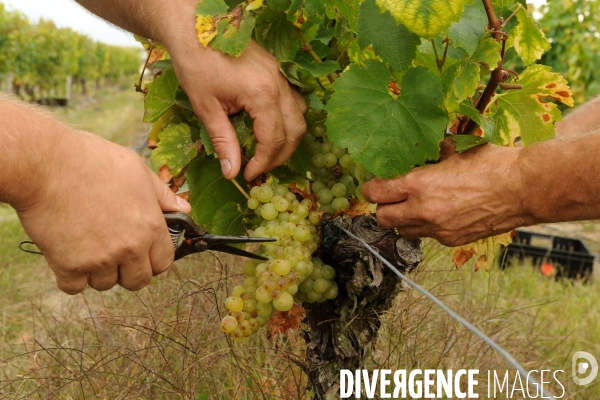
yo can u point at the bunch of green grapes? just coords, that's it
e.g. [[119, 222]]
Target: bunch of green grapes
[[336, 177], [291, 275]]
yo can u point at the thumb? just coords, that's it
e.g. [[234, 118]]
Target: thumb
[[167, 200], [224, 139]]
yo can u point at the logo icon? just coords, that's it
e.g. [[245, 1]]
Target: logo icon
[[584, 363]]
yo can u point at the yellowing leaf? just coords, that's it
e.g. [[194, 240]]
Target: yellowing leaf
[[529, 40], [527, 113], [254, 5], [426, 18], [207, 29], [485, 249]]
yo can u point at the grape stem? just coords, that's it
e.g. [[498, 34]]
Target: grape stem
[[241, 189], [138, 86]]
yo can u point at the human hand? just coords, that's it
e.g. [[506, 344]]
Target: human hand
[[466, 197], [219, 85], [96, 216]]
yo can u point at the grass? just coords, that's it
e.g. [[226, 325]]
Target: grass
[[163, 342]]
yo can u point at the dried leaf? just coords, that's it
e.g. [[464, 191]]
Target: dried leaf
[[165, 174], [283, 321], [484, 248]]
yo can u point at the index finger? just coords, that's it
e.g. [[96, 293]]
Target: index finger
[[385, 190]]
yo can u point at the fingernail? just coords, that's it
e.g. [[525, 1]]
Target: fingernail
[[225, 167], [182, 203]]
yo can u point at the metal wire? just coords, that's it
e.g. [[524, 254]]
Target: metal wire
[[532, 382]]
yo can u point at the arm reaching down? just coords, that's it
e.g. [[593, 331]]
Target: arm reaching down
[[219, 85]]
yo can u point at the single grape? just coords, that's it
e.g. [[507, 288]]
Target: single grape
[[250, 281], [325, 197], [245, 328], [345, 161], [324, 173], [228, 324], [326, 147], [292, 289], [251, 290], [338, 190], [302, 234], [250, 305], [239, 316], [253, 203], [284, 302], [253, 324], [328, 272], [326, 208], [358, 192], [281, 204], [308, 138], [238, 291], [330, 160], [306, 286], [269, 284], [339, 152], [301, 268], [249, 268], [281, 267], [260, 268], [332, 292], [254, 192], [284, 216], [264, 309], [340, 203], [318, 160], [306, 203], [314, 217], [317, 273], [234, 303], [346, 180], [265, 194], [301, 211], [262, 295], [268, 211], [318, 130], [320, 285], [313, 296], [290, 197]]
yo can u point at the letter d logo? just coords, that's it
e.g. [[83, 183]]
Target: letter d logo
[[580, 368]]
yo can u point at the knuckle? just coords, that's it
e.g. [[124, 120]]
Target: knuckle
[[268, 92]]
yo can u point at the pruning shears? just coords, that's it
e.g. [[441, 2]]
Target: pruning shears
[[195, 239]]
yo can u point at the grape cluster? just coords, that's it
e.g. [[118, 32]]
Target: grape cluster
[[336, 177], [291, 275]]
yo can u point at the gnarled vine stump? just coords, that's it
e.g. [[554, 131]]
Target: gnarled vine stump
[[341, 333]]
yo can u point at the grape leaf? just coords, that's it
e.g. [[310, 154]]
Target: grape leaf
[[485, 249], [483, 134], [210, 191], [395, 44], [300, 160], [175, 149], [469, 30], [459, 81], [426, 18], [346, 9], [528, 39], [276, 34], [229, 32], [286, 176], [387, 133], [527, 113], [229, 220], [161, 95]]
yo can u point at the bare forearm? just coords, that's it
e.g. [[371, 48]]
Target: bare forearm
[[29, 139], [583, 119], [561, 179], [155, 19]]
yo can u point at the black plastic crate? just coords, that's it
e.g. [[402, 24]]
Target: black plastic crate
[[569, 256]]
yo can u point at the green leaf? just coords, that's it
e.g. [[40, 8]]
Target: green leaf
[[300, 160], [209, 191], [345, 9], [527, 113], [234, 35], [319, 69], [161, 95], [286, 176], [426, 18], [229, 221], [484, 134], [175, 149], [395, 44], [277, 35], [229, 32], [459, 81], [469, 30], [386, 133], [529, 40]]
